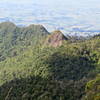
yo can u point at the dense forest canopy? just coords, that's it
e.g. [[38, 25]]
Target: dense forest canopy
[[37, 65]]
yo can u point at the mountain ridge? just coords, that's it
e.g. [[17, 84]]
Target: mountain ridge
[[37, 65]]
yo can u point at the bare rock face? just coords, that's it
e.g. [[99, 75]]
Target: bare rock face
[[56, 39]]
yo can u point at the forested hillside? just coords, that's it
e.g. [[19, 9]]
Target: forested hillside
[[38, 65], [14, 39]]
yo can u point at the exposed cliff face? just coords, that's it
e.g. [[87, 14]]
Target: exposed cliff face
[[56, 39]]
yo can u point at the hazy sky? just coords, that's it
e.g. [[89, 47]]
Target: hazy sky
[[65, 3], [52, 13], [73, 2]]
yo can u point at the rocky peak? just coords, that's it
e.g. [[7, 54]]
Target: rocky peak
[[56, 38]]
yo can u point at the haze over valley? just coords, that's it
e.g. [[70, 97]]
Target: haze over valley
[[65, 15]]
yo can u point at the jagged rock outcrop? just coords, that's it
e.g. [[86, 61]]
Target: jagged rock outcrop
[[56, 39]]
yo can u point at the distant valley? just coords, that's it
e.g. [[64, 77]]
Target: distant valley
[[80, 19]]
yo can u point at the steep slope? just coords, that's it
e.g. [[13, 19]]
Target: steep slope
[[13, 37], [49, 73], [56, 39], [93, 89], [14, 34], [58, 70]]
